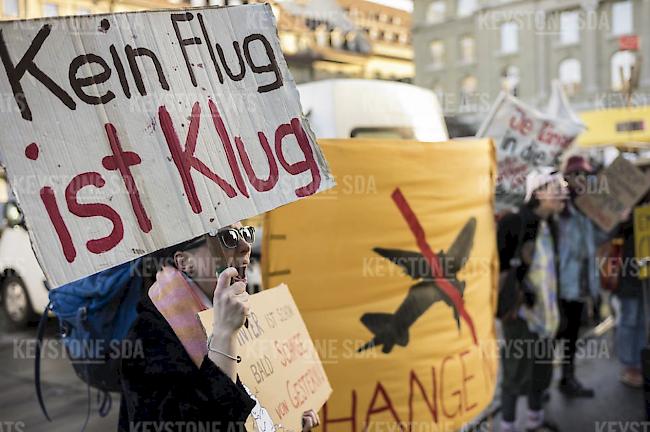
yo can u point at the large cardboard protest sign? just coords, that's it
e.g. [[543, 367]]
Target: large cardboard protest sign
[[398, 283], [525, 138], [280, 366], [130, 132], [621, 185]]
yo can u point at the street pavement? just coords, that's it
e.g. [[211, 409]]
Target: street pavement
[[615, 408], [66, 396]]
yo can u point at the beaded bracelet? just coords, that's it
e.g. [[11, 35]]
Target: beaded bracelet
[[237, 359]]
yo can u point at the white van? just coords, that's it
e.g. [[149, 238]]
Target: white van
[[359, 108], [23, 289]]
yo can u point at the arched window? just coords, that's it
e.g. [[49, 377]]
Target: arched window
[[510, 80], [468, 87], [570, 75], [436, 12], [621, 68]]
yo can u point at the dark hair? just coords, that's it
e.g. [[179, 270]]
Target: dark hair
[[533, 202], [155, 261]]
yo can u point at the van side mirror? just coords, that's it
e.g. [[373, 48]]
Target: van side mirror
[[13, 215]]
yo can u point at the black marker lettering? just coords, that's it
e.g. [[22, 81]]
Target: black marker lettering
[[272, 66], [185, 42], [131, 54], [120, 72], [78, 84], [26, 64], [242, 67], [210, 49]]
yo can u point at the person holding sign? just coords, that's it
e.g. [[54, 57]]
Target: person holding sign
[[579, 273], [527, 243], [182, 377]]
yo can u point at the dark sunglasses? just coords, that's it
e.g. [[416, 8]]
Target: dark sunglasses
[[229, 237]]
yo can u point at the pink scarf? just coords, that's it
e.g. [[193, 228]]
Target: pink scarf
[[178, 302]]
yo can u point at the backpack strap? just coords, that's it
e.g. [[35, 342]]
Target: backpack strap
[[105, 401], [83, 428], [37, 362], [40, 333]]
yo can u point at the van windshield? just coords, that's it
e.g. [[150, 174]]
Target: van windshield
[[383, 132]]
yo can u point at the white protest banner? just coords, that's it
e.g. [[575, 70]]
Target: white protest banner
[[525, 138], [126, 133], [279, 366]]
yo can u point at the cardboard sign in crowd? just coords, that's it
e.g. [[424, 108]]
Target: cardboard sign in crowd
[[280, 367], [525, 139], [122, 134], [620, 186]]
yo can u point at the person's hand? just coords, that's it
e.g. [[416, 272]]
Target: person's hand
[[309, 420], [625, 214], [230, 303]]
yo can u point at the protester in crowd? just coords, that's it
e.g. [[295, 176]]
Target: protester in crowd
[[631, 334], [579, 279], [527, 250], [630, 330], [182, 377]]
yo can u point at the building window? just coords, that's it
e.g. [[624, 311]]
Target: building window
[[622, 18], [322, 36], [50, 10], [436, 12], [10, 8], [466, 7], [510, 80], [351, 42], [304, 42], [569, 27], [337, 38], [437, 54], [509, 37], [289, 43], [570, 75], [467, 49], [622, 64]]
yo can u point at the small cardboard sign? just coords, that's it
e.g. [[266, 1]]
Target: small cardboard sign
[[622, 185], [280, 367], [126, 133], [525, 139]]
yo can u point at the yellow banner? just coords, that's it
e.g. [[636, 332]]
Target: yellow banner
[[616, 126], [642, 238], [394, 272]]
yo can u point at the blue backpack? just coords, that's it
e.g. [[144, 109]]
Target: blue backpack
[[95, 315]]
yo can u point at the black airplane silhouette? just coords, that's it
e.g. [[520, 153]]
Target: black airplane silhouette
[[390, 329]]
